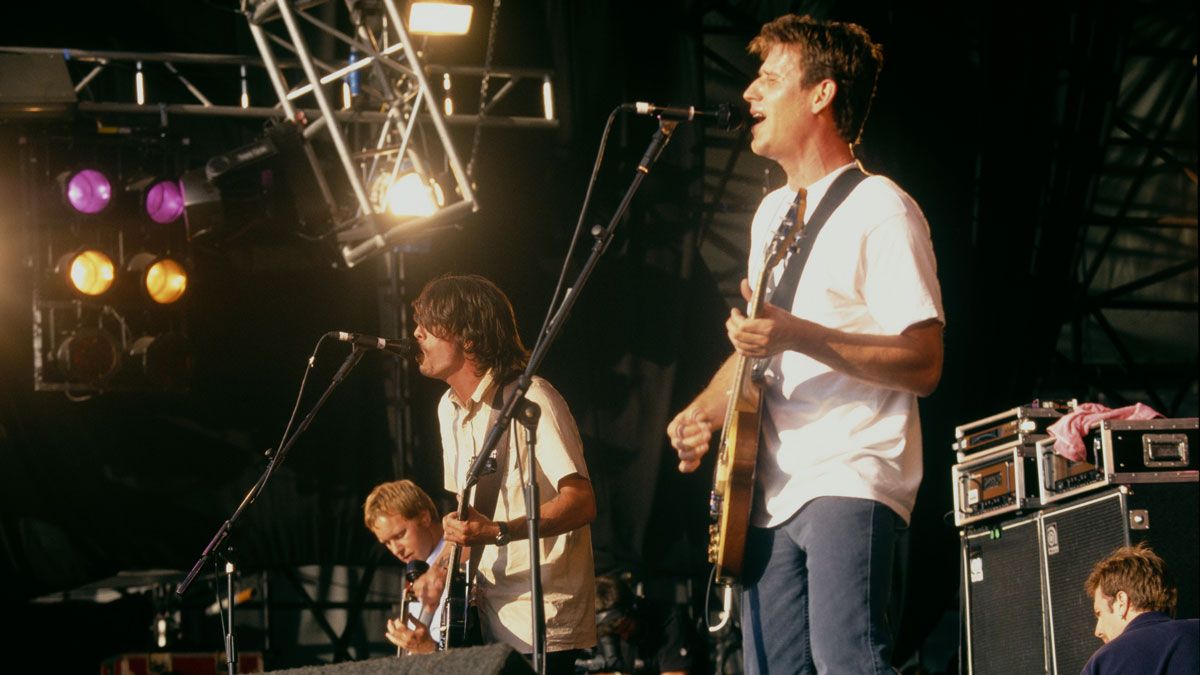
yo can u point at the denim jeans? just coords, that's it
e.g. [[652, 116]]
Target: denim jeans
[[816, 590]]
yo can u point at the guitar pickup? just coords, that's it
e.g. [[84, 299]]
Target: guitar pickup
[[714, 505]]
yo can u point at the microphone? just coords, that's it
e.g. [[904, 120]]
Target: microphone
[[414, 570], [725, 116], [403, 347]]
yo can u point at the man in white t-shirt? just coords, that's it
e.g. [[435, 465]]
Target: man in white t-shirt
[[839, 461], [468, 338]]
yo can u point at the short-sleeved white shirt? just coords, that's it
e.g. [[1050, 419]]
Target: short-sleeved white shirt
[[871, 271], [502, 582]]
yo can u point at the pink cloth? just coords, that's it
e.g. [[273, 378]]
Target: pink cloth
[[1069, 430]]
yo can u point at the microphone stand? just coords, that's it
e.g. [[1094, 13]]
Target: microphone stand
[[530, 412], [218, 540], [230, 647], [603, 237]]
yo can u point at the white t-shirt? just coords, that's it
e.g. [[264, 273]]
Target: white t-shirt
[[502, 583], [871, 271]]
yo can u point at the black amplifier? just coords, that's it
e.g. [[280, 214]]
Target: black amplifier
[[1121, 452], [995, 483], [1023, 425]]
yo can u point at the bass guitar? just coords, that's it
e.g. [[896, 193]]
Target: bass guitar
[[733, 479]]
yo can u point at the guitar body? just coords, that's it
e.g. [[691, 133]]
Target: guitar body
[[461, 621], [733, 489], [460, 618], [733, 479]]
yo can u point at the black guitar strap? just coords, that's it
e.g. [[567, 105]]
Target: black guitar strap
[[841, 188], [487, 488]]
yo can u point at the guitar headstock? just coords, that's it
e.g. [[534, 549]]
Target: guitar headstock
[[789, 231]]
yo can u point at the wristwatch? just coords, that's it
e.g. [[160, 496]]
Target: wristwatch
[[501, 533]]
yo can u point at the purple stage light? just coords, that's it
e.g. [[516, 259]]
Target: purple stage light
[[88, 191], [164, 201]]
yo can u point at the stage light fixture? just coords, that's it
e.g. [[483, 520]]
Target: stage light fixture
[[547, 99], [439, 18], [162, 279], [166, 359], [164, 201], [409, 195], [88, 272], [89, 356], [87, 191]]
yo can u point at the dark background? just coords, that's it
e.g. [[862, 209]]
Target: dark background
[[972, 118]]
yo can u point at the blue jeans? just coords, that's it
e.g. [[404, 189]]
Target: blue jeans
[[816, 590]]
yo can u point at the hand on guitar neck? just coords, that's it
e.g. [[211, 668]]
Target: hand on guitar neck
[[770, 332], [429, 586], [475, 530]]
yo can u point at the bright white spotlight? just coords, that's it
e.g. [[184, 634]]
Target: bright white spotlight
[[547, 99], [409, 195], [439, 18]]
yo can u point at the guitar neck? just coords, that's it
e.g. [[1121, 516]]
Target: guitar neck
[[739, 397], [455, 548]]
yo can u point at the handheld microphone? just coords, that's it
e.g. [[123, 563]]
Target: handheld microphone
[[725, 116], [403, 347], [414, 570]]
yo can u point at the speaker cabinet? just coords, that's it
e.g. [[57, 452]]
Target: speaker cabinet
[[1076, 536], [1003, 599], [496, 659], [1026, 610]]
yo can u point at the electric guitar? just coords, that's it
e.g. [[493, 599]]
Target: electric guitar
[[460, 618], [733, 479]]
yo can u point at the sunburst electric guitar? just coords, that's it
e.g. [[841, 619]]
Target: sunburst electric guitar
[[733, 480]]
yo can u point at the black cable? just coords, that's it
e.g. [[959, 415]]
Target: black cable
[[587, 198], [312, 359], [483, 90]]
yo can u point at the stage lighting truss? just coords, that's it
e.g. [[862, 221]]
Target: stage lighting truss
[[380, 102], [384, 66]]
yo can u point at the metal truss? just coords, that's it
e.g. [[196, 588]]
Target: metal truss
[[402, 89], [1131, 332], [374, 136], [227, 85]]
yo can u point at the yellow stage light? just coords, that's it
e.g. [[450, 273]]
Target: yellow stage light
[[162, 279], [89, 272]]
